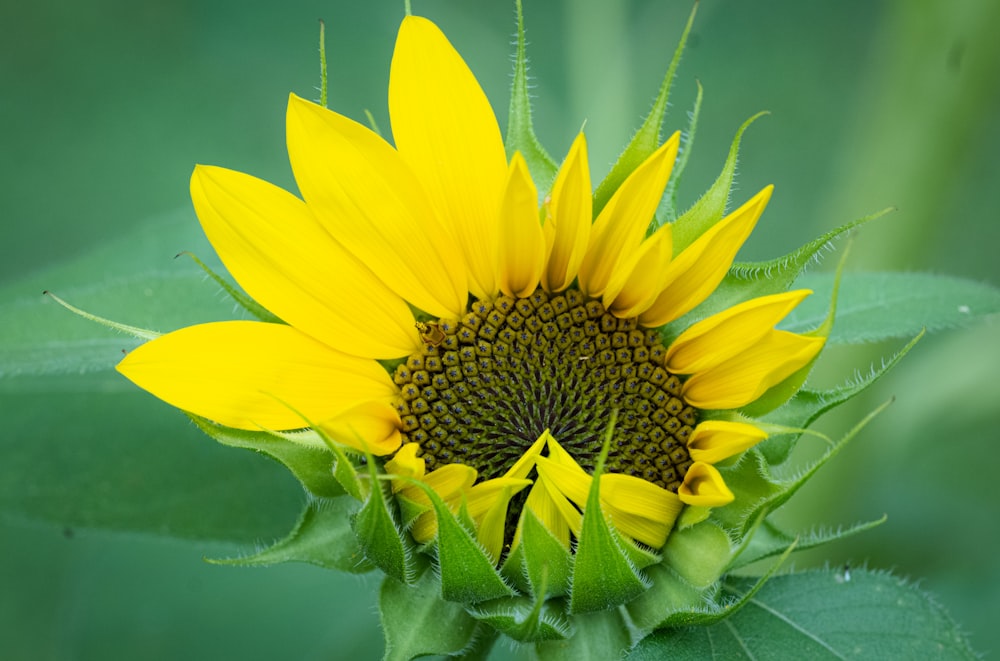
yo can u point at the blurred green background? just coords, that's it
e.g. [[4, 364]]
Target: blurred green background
[[106, 106]]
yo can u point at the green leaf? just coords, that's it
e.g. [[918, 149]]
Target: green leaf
[[520, 132], [379, 536], [647, 139], [467, 573], [596, 637], [417, 621], [819, 615], [603, 574], [880, 306], [313, 466], [323, 537]]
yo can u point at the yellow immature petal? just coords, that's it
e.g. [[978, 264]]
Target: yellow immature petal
[[570, 214], [704, 487], [276, 249], [250, 375], [522, 245], [370, 427], [526, 462], [369, 200], [718, 338], [639, 509], [450, 482], [695, 273], [487, 505], [715, 440], [540, 503], [570, 480], [568, 515], [445, 129], [619, 229], [641, 282], [406, 463], [744, 378]]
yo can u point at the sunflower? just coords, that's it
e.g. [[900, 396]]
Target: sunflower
[[496, 346]]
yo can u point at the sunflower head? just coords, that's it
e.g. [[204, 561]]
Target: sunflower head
[[542, 389]]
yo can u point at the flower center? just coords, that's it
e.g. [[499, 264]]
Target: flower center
[[484, 389]]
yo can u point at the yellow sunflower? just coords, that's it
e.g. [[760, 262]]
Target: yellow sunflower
[[517, 330]]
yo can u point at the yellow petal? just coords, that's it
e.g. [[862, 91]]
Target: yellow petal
[[704, 487], [632, 294], [570, 214], [370, 427], [406, 463], [744, 378], [522, 245], [247, 374], [715, 440], [639, 509], [570, 480], [283, 258], [695, 273], [526, 462], [450, 482], [445, 129], [568, 516], [718, 338], [621, 225], [548, 513], [487, 505], [371, 203]]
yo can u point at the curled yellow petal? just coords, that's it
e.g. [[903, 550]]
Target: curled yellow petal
[[569, 218], [715, 440], [445, 129], [487, 505], [370, 427], [526, 461], [406, 463], [704, 487], [522, 244], [695, 273], [253, 375], [450, 482], [718, 338], [619, 229], [743, 378]]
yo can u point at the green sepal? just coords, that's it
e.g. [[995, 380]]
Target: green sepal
[[467, 574], [710, 207], [524, 619], [596, 637], [751, 483], [769, 540], [520, 131], [241, 299], [713, 610], [322, 536], [699, 554], [309, 461], [548, 564], [668, 595], [640, 555], [344, 470], [808, 405], [409, 510], [647, 139], [668, 207], [417, 621], [754, 279], [604, 575], [757, 494], [379, 536]]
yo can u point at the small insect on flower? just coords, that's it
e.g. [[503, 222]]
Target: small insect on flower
[[430, 333]]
